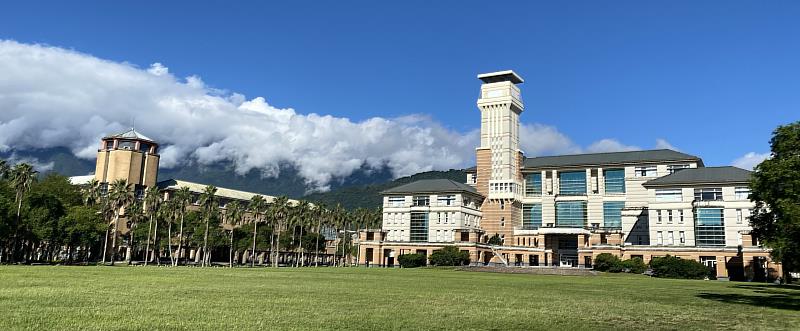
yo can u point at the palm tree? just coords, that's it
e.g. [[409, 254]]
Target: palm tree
[[168, 212], [183, 197], [134, 213], [208, 203], [22, 177], [257, 207], [320, 211], [303, 211], [92, 193], [280, 211], [233, 216], [152, 202], [120, 197], [5, 169]]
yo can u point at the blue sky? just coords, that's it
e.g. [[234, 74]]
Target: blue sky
[[713, 78]]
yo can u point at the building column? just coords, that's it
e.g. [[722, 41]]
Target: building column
[[722, 269]]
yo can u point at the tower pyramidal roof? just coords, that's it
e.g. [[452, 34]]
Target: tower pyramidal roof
[[131, 134]]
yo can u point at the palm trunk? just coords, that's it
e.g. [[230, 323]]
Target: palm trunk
[[129, 251], [147, 248], [230, 252], [253, 258], [180, 240], [205, 244], [156, 250], [16, 232], [114, 238], [300, 247], [316, 248], [105, 244], [278, 251], [169, 244]]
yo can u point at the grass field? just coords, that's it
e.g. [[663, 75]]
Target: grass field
[[147, 298]]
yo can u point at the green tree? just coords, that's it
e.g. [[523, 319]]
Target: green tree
[[183, 197], [152, 202], [22, 177], [279, 210], [134, 214], [208, 204], [83, 228], [233, 217], [120, 197], [775, 188], [257, 207]]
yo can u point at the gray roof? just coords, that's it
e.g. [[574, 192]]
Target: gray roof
[[431, 186], [614, 158], [131, 134], [707, 175]]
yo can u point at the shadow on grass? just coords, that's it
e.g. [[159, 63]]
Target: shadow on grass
[[770, 296]]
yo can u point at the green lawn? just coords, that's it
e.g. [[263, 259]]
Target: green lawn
[[148, 298]]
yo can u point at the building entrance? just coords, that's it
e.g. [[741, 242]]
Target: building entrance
[[567, 251]]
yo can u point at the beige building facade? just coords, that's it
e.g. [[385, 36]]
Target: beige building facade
[[562, 211]]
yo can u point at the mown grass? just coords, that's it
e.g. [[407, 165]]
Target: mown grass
[[151, 298]]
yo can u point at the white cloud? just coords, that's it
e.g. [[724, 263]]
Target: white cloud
[[750, 160], [610, 145], [50, 96], [37, 165], [664, 144]]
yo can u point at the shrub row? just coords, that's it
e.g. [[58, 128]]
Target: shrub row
[[665, 267], [447, 256]]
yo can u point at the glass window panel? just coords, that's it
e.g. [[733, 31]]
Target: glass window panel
[[419, 227], [709, 227], [708, 194], [572, 183], [533, 184], [612, 214], [532, 216], [571, 214], [669, 195], [614, 180]]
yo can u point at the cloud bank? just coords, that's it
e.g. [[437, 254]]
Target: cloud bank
[[750, 160], [54, 97]]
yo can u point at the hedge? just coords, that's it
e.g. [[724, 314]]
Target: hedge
[[449, 256], [411, 260]]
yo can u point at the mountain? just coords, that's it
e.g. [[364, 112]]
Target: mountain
[[360, 189], [368, 196]]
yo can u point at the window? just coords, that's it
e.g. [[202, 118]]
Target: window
[[669, 216], [709, 227], [673, 168], [680, 219], [708, 194], [533, 185], [658, 220], [397, 201], [502, 221], [138, 192], [670, 238], [531, 216], [446, 217], [502, 204], [659, 238], [682, 236], [739, 216], [571, 214], [419, 227], [612, 214], [109, 145], [668, 195], [103, 189], [572, 183], [645, 171], [742, 193], [446, 200], [126, 145], [422, 200], [464, 236], [144, 148], [614, 180]]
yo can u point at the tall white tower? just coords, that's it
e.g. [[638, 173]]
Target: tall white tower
[[501, 104]]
